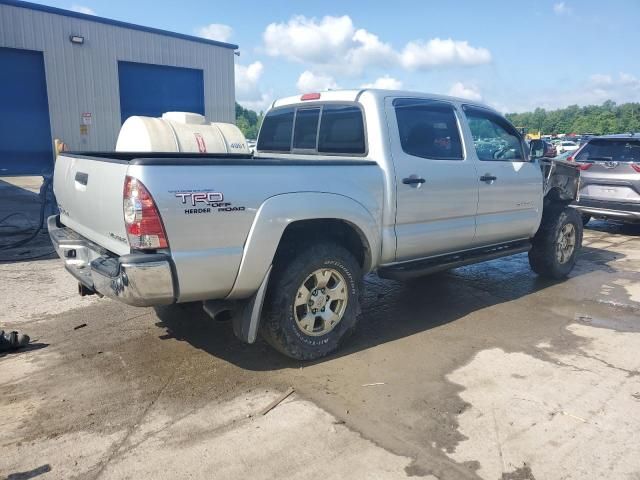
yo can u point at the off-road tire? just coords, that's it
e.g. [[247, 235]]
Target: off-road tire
[[543, 257], [279, 327], [585, 218]]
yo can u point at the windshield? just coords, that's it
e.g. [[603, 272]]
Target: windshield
[[619, 150]]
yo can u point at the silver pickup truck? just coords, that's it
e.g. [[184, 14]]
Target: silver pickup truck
[[342, 183]]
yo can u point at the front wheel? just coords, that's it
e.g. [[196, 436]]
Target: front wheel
[[556, 245], [313, 301]]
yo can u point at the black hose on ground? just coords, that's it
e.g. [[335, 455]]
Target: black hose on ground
[[44, 189]]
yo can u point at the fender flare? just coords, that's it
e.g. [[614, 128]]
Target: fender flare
[[278, 212]]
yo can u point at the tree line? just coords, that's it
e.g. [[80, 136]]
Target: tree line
[[597, 119], [248, 121]]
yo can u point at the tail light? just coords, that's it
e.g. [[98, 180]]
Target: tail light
[[584, 166], [310, 96], [636, 166], [144, 225], [569, 159]]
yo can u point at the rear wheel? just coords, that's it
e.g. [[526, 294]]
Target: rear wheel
[[313, 301], [556, 245]]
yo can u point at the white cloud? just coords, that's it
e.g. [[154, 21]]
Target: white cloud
[[248, 87], [83, 9], [369, 50], [598, 88], [628, 80], [312, 82], [247, 78], [215, 31], [385, 82], [305, 39], [594, 90], [561, 8], [437, 52], [468, 91], [259, 105], [335, 45], [600, 80]]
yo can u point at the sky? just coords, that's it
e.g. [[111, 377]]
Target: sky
[[515, 56]]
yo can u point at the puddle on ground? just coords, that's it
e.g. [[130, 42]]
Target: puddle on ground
[[621, 324]]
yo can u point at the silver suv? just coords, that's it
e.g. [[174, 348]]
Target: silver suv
[[610, 178]]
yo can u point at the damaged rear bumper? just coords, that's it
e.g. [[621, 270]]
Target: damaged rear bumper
[[139, 279]]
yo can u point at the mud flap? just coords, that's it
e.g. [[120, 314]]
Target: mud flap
[[246, 319]]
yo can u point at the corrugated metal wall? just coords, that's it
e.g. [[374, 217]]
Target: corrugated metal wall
[[84, 78]]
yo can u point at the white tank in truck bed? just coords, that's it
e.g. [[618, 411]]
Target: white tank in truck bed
[[179, 132]]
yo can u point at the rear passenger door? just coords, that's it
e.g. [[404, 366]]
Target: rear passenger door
[[436, 184], [510, 194]]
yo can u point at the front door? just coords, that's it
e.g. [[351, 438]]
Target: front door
[[510, 195], [436, 182]]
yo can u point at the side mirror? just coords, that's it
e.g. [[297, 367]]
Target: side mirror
[[537, 148]]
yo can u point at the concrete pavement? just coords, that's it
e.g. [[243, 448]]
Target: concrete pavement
[[482, 372]]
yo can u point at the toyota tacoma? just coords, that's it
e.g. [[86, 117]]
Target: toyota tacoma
[[341, 183]]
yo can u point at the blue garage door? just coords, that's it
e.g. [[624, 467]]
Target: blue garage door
[[151, 90], [25, 133]]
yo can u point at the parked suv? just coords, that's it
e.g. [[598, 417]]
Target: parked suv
[[610, 178]]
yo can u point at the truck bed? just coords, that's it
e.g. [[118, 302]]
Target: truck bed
[[89, 190]]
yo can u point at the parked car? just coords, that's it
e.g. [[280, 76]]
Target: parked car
[[610, 178], [567, 156], [342, 183], [567, 146]]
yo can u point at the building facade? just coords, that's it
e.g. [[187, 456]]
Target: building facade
[[77, 77]]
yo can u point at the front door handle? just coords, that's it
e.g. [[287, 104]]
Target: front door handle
[[488, 178], [413, 180]]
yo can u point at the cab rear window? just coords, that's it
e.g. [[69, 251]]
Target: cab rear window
[[276, 131], [341, 130], [331, 129]]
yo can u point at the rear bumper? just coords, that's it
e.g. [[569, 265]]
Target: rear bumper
[[136, 279], [624, 211]]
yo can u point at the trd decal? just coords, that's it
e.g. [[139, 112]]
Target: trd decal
[[194, 198], [204, 201]]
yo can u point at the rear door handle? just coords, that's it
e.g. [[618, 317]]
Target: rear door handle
[[488, 178], [413, 181]]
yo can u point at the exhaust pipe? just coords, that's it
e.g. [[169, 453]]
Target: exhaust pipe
[[84, 291], [219, 310]]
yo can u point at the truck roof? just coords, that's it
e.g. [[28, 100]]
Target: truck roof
[[354, 94]]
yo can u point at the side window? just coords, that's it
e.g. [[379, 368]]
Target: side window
[[275, 133], [493, 137], [428, 129], [341, 130], [305, 133]]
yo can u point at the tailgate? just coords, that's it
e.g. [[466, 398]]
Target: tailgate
[[89, 194]]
